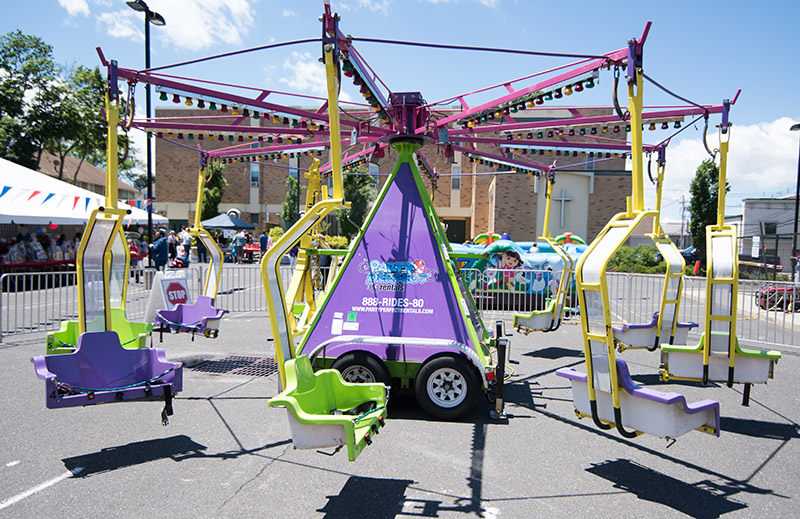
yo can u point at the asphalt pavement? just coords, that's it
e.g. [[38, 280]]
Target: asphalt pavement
[[226, 454]]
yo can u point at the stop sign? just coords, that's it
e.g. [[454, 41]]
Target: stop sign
[[176, 293]]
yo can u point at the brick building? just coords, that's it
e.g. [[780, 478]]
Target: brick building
[[470, 198]]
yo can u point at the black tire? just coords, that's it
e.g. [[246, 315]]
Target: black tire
[[360, 367], [447, 387]]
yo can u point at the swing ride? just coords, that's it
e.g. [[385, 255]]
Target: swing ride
[[718, 357], [201, 316], [100, 370], [396, 310], [549, 319], [664, 326]]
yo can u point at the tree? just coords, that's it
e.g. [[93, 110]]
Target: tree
[[704, 190], [289, 207], [213, 190], [45, 108], [359, 192], [81, 129], [27, 71]]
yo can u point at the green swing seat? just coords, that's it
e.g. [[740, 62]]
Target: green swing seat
[[132, 335], [325, 411]]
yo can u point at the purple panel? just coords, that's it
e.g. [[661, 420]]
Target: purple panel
[[188, 318], [632, 388], [101, 363], [395, 284], [651, 324]]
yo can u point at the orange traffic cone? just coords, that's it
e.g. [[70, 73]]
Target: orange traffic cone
[[696, 267]]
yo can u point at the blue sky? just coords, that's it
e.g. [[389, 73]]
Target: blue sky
[[703, 50]]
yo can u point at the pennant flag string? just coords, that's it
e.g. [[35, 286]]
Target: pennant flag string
[[5, 190], [33, 194]]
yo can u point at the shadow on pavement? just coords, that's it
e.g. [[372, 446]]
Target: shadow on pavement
[[176, 448], [112, 458], [759, 428], [368, 498], [554, 353], [650, 485]]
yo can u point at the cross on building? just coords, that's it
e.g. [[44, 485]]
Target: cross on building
[[563, 199]]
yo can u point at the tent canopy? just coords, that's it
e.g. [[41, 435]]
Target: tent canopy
[[30, 197], [225, 221]]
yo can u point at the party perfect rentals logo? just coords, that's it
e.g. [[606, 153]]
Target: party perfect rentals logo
[[395, 275]]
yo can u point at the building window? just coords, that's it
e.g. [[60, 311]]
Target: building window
[[254, 219], [770, 227], [294, 164], [589, 163], [373, 171], [455, 178], [254, 175]]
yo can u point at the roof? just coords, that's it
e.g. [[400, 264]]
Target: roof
[[88, 173]]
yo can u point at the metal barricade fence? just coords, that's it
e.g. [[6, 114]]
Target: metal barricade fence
[[40, 301], [241, 288], [765, 310], [31, 302]]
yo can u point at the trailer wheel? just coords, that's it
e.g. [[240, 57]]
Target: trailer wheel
[[446, 387], [360, 368]]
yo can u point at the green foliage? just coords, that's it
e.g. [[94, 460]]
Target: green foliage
[[359, 192], [27, 71], [45, 108], [275, 233], [640, 260], [213, 190], [336, 242], [703, 204], [289, 207]]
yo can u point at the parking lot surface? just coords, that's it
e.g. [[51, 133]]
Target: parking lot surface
[[226, 454]]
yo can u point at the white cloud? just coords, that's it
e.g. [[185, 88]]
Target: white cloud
[[191, 24], [75, 7], [376, 6], [287, 13], [125, 24], [762, 159], [307, 76]]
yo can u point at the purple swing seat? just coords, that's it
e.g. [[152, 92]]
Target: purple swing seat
[[200, 317], [644, 335], [100, 370], [667, 415]]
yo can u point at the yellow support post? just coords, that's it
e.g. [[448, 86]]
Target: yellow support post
[[635, 109], [548, 196], [112, 117], [723, 182], [331, 69], [198, 206]]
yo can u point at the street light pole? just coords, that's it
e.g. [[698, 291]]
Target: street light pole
[[795, 128], [155, 19]]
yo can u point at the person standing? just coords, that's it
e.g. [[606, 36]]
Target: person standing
[[172, 245], [262, 242], [202, 255], [238, 247], [134, 254], [159, 251], [186, 241]]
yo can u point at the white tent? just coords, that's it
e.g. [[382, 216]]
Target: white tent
[[30, 197]]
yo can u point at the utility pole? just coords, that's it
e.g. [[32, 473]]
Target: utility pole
[[683, 215]]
